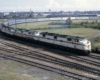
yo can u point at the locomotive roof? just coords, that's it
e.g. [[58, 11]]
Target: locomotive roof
[[59, 35], [31, 31], [25, 30], [18, 29]]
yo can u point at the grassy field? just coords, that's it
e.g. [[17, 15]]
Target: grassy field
[[77, 21], [11, 70], [82, 32], [2, 20], [35, 25], [95, 43]]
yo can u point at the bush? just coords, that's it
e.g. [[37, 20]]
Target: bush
[[95, 44], [56, 23], [69, 21]]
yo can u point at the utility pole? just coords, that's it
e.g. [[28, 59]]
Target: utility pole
[[15, 21], [25, 19], [8, 23]]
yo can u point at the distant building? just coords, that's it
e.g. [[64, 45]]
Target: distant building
[[6, 13], [98, 15], [45, 15], [1, 15]]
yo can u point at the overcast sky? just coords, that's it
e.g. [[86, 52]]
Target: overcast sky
[[45, 5]]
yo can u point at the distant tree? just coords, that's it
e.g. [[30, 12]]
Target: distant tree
[[92, 22], [31, 15], [98, 24], [86, 22], [96, 21], [69, 21], [81, 23]]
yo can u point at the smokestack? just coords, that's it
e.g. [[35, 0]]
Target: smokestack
[[30, 10]]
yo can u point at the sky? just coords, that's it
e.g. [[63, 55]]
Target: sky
[[45, 5]]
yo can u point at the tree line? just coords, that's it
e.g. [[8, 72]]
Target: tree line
[[93, 24]]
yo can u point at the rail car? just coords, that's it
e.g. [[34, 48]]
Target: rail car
[[19, 21], [70, 43]]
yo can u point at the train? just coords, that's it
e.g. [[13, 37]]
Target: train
[[19, 21], [68, 42], [72, 43]]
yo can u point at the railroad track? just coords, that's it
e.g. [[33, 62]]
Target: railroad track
[[94, 56], [75, 57], [53, 60], [68, 55], [47, 58], [42, 66]]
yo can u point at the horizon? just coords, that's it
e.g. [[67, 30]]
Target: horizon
[[48, 11]]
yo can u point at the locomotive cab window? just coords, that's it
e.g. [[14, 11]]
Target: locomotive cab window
[[61, 41], [43, 35], [69, 39], [29, 32], [55, 37], [21, 31], [76, 40]]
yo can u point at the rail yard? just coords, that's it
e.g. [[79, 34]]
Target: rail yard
[[60, 62], [70, 65]]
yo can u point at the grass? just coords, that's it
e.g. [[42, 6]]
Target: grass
[[45, 24], [11, 70], [35, 25], [95, 43], [2, 20], [78, 21], [82, 32]]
